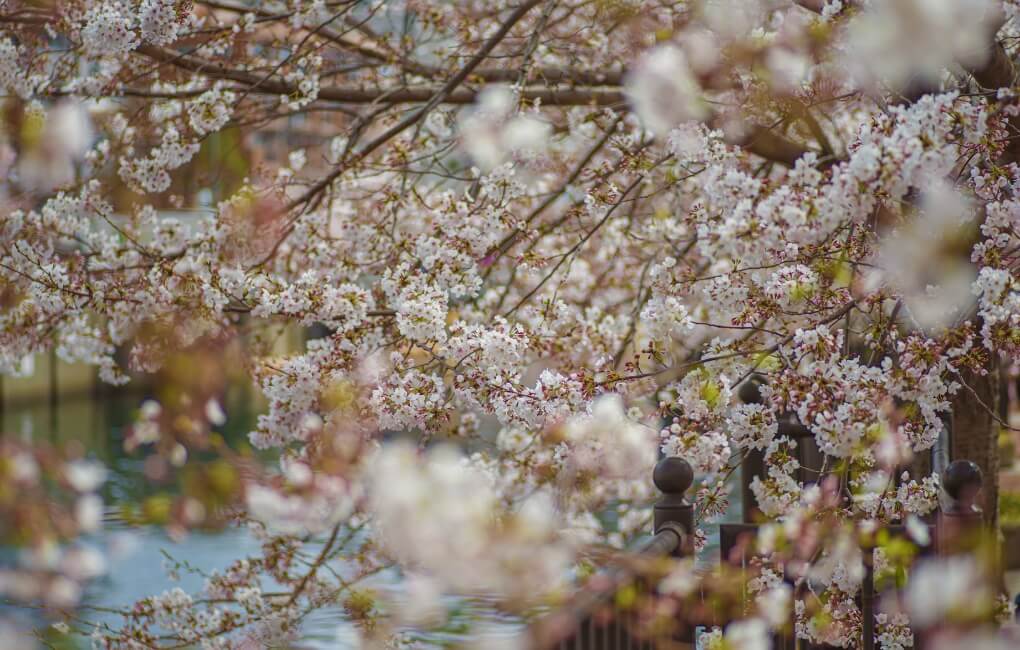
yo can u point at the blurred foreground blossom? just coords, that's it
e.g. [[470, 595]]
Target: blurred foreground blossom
[[748, 634], [926, 259], [85, 475], [664, 90], [53, 142], [905, 42], [416, 502], [494, 130], [608, 443], [325, 503], [949, 589], [981, 639]]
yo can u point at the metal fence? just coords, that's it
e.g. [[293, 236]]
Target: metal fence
[[598, 618]]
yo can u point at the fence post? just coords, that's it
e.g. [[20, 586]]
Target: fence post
[[960, 522], [753, 463], [54, 393], [673, 476], [868, 599]]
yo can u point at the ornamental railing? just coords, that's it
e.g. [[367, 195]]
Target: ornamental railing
[[602, 616]]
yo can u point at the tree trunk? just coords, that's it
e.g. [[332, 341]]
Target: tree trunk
[[975, 432]]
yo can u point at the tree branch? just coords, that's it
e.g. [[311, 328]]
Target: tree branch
[[574, 96]]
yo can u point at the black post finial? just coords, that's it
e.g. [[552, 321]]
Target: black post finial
[[959, 525], [749, 391], [673, 476], [962, 482]]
